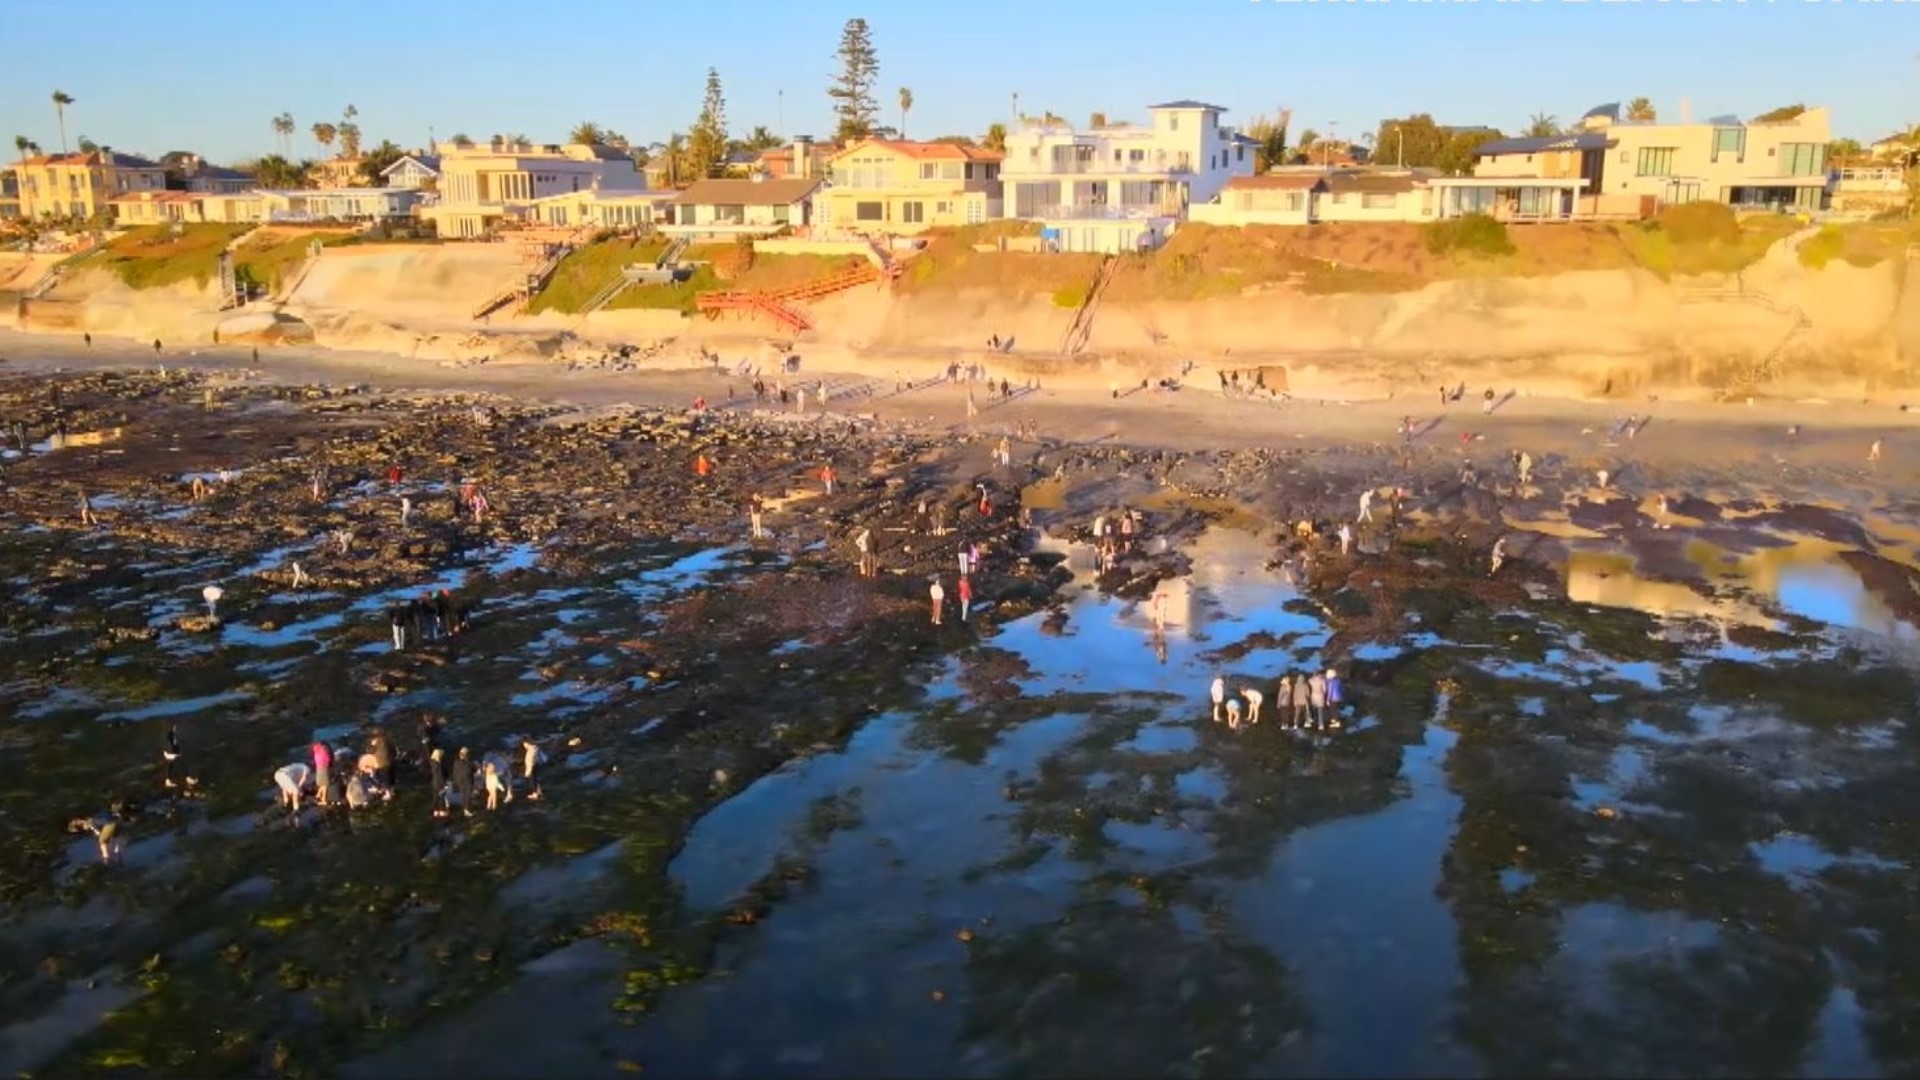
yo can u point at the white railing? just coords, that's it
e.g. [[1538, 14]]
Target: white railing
[[1103, 213]]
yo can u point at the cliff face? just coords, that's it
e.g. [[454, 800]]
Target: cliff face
[[1838, 331]]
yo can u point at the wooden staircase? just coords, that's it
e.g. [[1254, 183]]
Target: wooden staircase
[[550, 259], [1082, 328], [779, 304]]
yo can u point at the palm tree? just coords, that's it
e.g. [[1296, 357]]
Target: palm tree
[[676, 152], [283, 127], [20, 143], [1641, 109], [324, 134], [906, 106], [1543, 124], [462, 140], [62, 99], [349, 140], [588, 134]]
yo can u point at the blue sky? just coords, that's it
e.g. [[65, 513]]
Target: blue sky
[[156, 77]]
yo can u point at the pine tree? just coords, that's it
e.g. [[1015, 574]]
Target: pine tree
[[707, 140], [852, 90]]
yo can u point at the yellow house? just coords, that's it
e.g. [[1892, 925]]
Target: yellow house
[[158, 208], [893, 187], [484, 187], [83, 185]]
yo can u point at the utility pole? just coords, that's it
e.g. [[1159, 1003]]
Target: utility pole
[[1016, 110], [1326, 155]]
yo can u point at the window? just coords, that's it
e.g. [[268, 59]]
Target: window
[[1802, 159], [1240, 152], [1654, 161], [1377, 201], [782, 214], [976, 211], [943, 208], [913, 213], [1296, 201], [869, 211], [929, 171], [1730, 142], [1173, 123], [1136, 156]]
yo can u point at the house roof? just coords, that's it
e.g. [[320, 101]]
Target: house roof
[[218, 172], [746, 192], [429, 162], [1187, 103], [1243, 139], [1276, 182], [1372, 183], [96, 157], [603, 152], [1588, 141], [925, 151]]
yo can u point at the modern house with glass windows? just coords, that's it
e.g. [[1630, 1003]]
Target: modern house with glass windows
[[1776, 164]]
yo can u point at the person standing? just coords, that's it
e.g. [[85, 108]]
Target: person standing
[[1366, 507], [756, 511], [383, 758], [863, 543], [1283, 702], [322, 769], [1335, 691], [169, 754], [495, 783], [1873, 453], [406, 511], [437, 776], [966, 597], [1300, 713], [1218, 691], [826, 477], [463, 780], [939, 597], [530, 758], [1317, 698]]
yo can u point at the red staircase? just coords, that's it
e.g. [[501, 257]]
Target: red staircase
[[778, 304], [716, 304]]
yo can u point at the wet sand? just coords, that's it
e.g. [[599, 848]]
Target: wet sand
[[1673, 760]]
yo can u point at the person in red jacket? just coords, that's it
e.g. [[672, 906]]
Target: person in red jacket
[[966, 597]]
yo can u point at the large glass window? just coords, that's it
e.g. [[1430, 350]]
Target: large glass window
[[1729, 142], [1802, 159], [1655, 161]]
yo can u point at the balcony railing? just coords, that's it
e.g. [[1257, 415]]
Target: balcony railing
[[1103, 212], [1010, 168]]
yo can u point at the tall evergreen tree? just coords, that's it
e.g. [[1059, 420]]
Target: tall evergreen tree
[[707, 141], [854, 106]]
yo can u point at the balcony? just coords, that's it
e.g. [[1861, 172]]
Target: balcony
[[1013, 170], [1102, 212]]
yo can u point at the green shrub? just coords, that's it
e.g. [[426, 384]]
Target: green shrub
[[1822, 248], [1472, 234], [1699, 223]]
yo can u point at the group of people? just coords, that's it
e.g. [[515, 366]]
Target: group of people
[[455, 780], [1302, 702], [426, 617]]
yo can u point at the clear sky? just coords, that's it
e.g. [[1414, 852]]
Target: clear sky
[[208, 75]]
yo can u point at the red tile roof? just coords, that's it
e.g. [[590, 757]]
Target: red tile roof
[[928, 151]]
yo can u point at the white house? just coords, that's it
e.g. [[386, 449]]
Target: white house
[[338, 204], [483, 186], [604, 209], [413, 171], [1124, 187], [726, 209]]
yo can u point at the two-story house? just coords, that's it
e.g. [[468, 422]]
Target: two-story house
[[896, 187], [80, 186], [420, 172], [1538, 178], [1123, 187], [1759, 164], [483, 186]]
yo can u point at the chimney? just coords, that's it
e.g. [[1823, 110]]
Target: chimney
[[802, 157]]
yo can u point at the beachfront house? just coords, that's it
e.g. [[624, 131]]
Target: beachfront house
[[81, 186], [419, 172], [730, 209], [339, 204], [485, 187], [1120, 187], [1279, 197], [339, 172], [894, 187], [625, 210], [157, 208], [1773, 164]]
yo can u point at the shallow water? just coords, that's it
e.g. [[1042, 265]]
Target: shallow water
[[1564, 839]]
